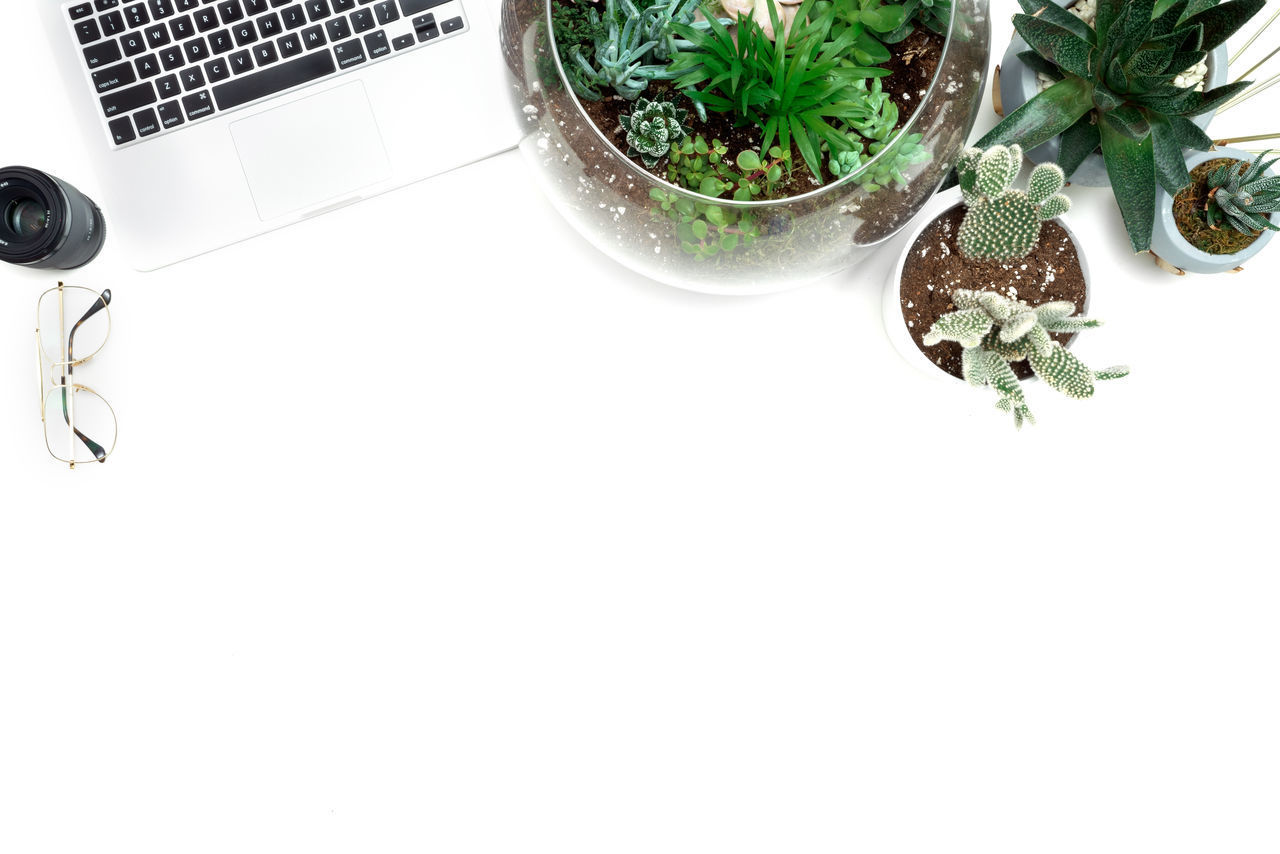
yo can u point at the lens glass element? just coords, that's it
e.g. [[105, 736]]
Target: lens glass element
[[26, 217]]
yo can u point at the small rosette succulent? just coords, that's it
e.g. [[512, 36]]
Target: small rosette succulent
[[996, 331], [1002, 223], [652, 128], [1243, 200]]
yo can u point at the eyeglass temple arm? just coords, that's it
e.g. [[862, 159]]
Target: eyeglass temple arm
[[99, 453]]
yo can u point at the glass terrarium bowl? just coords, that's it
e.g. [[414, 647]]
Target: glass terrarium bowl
[[614, 203]]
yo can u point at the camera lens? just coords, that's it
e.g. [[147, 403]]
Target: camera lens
[[46, 223]]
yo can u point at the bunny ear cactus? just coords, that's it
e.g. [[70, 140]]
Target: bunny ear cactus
[[1002, 223], [996, 331], [652, 129], [1115, 90], [1243, 200]]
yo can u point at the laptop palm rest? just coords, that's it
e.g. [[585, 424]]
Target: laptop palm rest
[[316, 150]]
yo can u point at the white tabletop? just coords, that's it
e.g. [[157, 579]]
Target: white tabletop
[[483, 543]]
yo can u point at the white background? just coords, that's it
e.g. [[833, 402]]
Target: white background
[[430, 529]]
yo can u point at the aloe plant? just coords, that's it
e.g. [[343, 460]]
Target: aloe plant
[[1116, 91]]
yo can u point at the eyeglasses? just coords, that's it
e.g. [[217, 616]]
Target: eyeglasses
[[86, 430]]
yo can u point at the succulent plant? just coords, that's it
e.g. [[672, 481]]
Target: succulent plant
[[1002, 223], [996, 331], [1115, 90], [652, 128], [620, 59], [1242, 199]]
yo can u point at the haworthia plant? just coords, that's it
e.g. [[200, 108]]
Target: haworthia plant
[[1002, 223], [996, 331], [652, 128], [1243, 200]]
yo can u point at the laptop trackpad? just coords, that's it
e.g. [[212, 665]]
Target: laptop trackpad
[[319, 149]]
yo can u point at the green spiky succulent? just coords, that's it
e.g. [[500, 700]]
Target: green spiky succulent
[[652, 128], [1115, 90], [996, 331], [1002, 223], [620, 58], [1243, 199]]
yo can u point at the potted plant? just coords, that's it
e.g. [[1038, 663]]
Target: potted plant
[[987, 290], [1022, 74], [797, 135], [1222, 218], [1116, 92]]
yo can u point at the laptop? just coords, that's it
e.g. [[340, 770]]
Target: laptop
[[213, 121]]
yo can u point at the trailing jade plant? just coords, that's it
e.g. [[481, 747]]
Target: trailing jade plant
[[1115, 89], [653, 128], [1242, 200], [800, 90], [704, 167], [996, 331], [1002, 223]]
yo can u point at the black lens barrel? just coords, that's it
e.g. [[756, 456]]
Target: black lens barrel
[[70, 233]]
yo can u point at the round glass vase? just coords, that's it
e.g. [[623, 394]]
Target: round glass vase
[[677, 236]]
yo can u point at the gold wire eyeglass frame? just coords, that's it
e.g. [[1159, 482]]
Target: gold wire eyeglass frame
[[60, 369]]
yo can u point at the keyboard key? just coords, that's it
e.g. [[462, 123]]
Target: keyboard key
[[158, 35], [230, 11], [452, 25], [245, 33], [182, 28], [221, 42], [102, 54], [269, 26], [342, 5], [402, 42], [87, 31], [426, 28], [241, 62], [276, 4], [107, 79], [146, 122], [170, 114], [349, 53], [376, 44], [187, 5], [128, 100], [196, 50], [275, 79], [413, 7], [104, 5], [161, 9], [112, 24], [206, 19], [217, 70], [338, 29], [362, 20], [317, 9], [290, 45], [255, 7], [136, 15], [133, 44], [265, 53], [192, 79], [386, 12], [148, 66], [198, 105], [122, 130], [313, 37], [294, 17], [80, 10], [168, 86], [172, 58]]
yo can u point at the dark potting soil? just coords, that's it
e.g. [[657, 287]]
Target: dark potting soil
[[1189, 213], [934, 268], [912, 66]]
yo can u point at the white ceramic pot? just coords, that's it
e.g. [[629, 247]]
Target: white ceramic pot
[[1167, 242], [1018, 84], [891, 306]]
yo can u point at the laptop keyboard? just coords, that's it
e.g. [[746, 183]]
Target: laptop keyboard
[[158, 66]]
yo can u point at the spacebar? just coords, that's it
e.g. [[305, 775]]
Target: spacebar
[[273, 79]]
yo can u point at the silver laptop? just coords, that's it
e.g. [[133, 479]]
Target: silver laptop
[[212, 121]]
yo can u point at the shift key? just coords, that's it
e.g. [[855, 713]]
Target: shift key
[[128, 100], [273, 79]]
